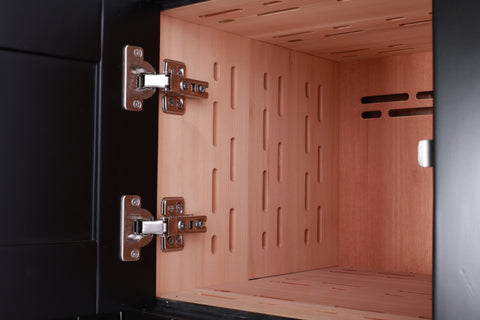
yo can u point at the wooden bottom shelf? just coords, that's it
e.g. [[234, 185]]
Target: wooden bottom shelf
[[331, 293]]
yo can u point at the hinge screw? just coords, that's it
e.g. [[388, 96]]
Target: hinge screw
[[179, 208], [181, 72], [137, 53], [135, 253], [182, 225], [201, 88], [170, 240], [171, 102], [171, 70], [137, 104], [180, 104], [200, 224], [135, 202], [179, 240], [184, 85], [170, 208]]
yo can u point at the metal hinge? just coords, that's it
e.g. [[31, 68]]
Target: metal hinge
[[140, 82], [138, 226]]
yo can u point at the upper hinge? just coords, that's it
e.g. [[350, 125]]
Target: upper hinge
[[138, 226], [140, 82]]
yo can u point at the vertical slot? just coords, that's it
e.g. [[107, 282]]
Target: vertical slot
[[265, 81], [307, 89], [307, 191], [231, 229], [232, 159], [280, 96], [307, 134], [279, 227], [213, 244], [216, 71], [319, 224], [233, 94], [265, 191], [320, 103], [215, 124], [265, 129], [264, 240], [214, 190], [306, 237], [280, 162], [319, 165]]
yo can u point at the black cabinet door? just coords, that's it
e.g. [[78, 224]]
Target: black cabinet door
[[457, 164], [69, 152]]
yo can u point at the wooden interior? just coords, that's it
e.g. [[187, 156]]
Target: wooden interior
[[301, 163], [331, 293], [336, 30]]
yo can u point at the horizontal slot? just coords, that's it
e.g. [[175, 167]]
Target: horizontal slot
[[296, 40], [213, 14], [291, 34], [410, 112], [385, 98], [424, 95], [395, 19], [271, 3], [415, 23], [371, 114], [343, 33], [226, 21], [396, 50], [342, 27], [281, 11]]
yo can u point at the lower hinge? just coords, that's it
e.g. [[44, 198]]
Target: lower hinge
[[138, 226]]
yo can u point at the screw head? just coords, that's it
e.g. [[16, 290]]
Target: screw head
[[201, 88], [181, 72], [184, 85], [170, 208], [137, 104], [182, 225], [180, 104], [138, 53], [200, 224], [179, 208], [179, 240], [170, 240], [171, 102], [135, 202], [171, 70], [135, 253]]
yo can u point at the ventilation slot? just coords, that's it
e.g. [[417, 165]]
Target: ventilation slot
[[265, 81], [231, 233], [265, 191], [279, 227], [214, 190], [271, 13], [280, 96], [307, 191], [410, 112], [319, 224], [213, 14], [215, 124], [371, 114], [265, 129], [306, 237], [307, 134], [424, 95], [343, 33], [319, 165], [415, 23], [280, 162], [233, 88], [271, 3], [320, 103], [291, 34], [216, 71], [396, 50], [264, 240], [232, 159], [385, 98], [213, 245]]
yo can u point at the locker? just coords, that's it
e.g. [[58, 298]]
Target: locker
[[282, 178]]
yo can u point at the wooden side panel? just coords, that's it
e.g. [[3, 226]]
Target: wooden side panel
[[196, 159], [386, 200], [248, 158], [293, 207]]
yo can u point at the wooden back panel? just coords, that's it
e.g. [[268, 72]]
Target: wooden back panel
[[386, 200], [223, 157]]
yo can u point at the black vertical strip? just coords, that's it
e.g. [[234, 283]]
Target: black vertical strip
[[457, 158]]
